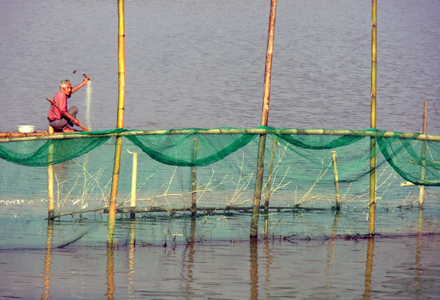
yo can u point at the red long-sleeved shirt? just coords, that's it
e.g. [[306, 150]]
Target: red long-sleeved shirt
[[60, 99]]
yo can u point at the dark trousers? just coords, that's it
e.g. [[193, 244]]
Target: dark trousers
[[64, 122]]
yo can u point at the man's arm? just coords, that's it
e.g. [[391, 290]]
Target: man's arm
[[86, 80]]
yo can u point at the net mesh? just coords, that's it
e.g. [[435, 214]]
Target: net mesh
[[219, 169]]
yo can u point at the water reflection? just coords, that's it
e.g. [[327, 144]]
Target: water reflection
[[331, 244], [267, 262], [253, 248], [110, 272], [418, 286], [191, 255], [48, 260], [369, 268], [131, 249]]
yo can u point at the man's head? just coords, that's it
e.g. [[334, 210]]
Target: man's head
[[66, 87]]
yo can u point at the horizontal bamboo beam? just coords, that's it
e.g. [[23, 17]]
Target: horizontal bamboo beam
[[256, 131]]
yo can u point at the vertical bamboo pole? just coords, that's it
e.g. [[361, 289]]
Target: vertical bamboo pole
[[422, 171], [50, 182], [119, 124], [264, 121], [373, 157], [194, 181], [133, 185], [269, 177], [335, 173]]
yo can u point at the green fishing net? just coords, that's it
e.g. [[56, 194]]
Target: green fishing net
[[298, 167]]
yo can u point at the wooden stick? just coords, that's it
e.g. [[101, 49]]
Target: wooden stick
[[50, 184], [422, 171], [335, 173], [194, 181], [133, 184], [269, 176], [264, 121], [67, 115]]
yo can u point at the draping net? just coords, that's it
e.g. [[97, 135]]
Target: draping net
[[298, 169]]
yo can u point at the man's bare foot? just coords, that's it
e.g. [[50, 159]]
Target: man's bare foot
[[67, 130]]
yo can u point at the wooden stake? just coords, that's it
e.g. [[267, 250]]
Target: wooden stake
[[335, 173], [264, 121], [194, 181], [373, 158], [269, 177], [422, 171], [133, 184], [119, 124], [50, 183]]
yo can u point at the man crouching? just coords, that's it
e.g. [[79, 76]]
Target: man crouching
[[56, 115]]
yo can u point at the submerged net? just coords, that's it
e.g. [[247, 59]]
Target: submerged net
[[218, 167]]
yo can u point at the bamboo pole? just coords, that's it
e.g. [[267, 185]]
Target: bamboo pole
[[422, 171], [194, 181], [50, 184], [335, 173], [373, 157], [264, 121], [133, 184], [119, 123], [269, 177], [256, 131], [121, 64]]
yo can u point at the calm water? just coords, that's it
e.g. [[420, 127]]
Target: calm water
[[201, 64]]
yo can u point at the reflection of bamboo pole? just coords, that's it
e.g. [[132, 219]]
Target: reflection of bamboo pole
[[48, 260], [373, 157], [335, 173], [119, 124], [418, 268], [194, 181], [422, 171], [253, 245], [133, 184], [191, 255], [110, 273], [369, 268], [269, 176], [264, 121], [131, 248], [331, 243]]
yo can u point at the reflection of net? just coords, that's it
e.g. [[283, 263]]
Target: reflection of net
[[300, 175]]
